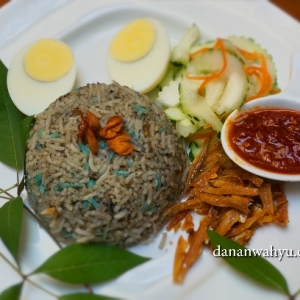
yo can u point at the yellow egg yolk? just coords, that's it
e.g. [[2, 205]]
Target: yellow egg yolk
[[48, 60], [133, 41]]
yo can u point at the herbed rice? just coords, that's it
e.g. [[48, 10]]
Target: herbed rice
[[105, 197]]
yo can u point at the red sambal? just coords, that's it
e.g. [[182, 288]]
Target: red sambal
[[268, 139]]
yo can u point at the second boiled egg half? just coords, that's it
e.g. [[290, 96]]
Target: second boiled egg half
[[40, 73], [139, 54]]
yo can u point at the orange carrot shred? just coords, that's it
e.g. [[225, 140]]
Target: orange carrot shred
[[192, 55], [248, 55], [266, 81], [207, 78]]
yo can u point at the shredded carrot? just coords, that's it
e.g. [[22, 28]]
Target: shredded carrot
[[248, 55], [207, 78], [265, 78], [192, 55], [252, 70], [261, 72]]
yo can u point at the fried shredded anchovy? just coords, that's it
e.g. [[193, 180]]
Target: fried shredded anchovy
[[233, 201]]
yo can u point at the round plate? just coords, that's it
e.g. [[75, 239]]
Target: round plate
[[88, 27]]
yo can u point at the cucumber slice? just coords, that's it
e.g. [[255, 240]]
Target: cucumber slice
[[180, 54], [175, 113], [185, 127], [169, 96], [236, 82], [234, 93], [207, 63], [248, 44], [194, 149], [169, 76], [153, 94], [214, 90], [232, 49], [195, 105], [229, 46], [209, 45], [179, 73]]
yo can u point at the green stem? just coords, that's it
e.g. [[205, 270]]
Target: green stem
[[11, 264], [293, 297], [6, 198], [18, 177], [25, 277], [87, 287], [8, 189], [30, 212], [41, 288]]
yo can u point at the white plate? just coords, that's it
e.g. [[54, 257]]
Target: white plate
[[88, 26]]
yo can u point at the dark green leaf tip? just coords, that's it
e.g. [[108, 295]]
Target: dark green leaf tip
[[12, 154], [12, 293], [81, 296], [11, 214], [89, 263], [247, 262]]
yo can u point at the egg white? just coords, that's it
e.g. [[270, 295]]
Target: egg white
[[31, 96], [145, 73]]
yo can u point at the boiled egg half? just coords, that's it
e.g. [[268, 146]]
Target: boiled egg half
[[40, 73], [139, 54]]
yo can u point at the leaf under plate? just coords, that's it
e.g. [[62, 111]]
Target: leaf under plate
[[12, 293], [25, 127], [11, 214], [255, 267], [89, 263], [81, 296], [11, 150]]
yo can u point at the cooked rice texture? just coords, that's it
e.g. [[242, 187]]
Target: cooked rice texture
[[105, 197]]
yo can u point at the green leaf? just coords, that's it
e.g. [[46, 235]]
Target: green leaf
[[255, 267], [21, 186], [81, 296], [12, 293], [89, 263], [11, 150], [24, 128], [11, 214]]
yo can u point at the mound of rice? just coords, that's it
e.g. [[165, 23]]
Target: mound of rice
[[105, 197]]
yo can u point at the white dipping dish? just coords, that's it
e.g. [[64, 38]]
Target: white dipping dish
[[288, 99]]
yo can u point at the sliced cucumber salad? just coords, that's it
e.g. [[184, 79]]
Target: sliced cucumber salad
[[206, 82]]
